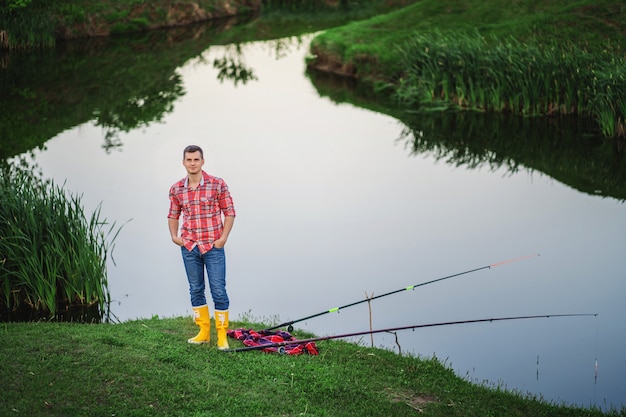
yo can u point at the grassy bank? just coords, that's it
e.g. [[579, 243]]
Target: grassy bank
[[529, 58], [371, 49], [40, 23], [34, 23], [146, 368]]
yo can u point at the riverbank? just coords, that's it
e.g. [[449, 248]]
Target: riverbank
[[146, 368], [539, 59], [25, 24], [371, 50], [535, 59], [45, 23]]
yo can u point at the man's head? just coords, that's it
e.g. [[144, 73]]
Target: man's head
[[193, 159], [192, 149]]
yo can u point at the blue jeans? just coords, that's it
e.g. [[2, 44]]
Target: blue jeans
[[215, 263]]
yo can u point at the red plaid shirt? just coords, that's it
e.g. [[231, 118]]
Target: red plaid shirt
[[202, 210]]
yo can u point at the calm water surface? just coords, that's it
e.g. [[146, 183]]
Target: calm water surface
[[332, 206]]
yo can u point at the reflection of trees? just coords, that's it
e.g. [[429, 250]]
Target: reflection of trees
[[233, 70], [122, 80], [280, 48], [231, 67], [120, 83], [138, 111]]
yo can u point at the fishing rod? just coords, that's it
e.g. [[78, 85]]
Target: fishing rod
[[281, 344], [411, 287]]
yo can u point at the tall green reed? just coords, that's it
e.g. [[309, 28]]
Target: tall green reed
[[466, 70], [53, 255], [33, 28]]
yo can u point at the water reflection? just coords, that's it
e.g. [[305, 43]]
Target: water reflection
[[121, 83], [128, 82], [569, 149], [332, 205]]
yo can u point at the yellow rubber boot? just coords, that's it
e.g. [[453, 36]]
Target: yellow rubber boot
[[221, 325], [203, 320]]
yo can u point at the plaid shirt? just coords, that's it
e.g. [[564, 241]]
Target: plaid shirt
[[202, 210]]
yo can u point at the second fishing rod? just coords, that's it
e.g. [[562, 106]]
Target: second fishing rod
[[290, 323]]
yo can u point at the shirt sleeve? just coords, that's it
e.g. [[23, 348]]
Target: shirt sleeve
[[226, 201], [174, 212]]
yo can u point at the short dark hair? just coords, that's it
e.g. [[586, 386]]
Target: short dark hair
[[192, 149]]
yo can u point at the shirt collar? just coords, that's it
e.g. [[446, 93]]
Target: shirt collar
[[187, 180]]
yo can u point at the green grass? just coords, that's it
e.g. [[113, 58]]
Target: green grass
[[597, 24], [533, 58], [40, 23], [146, 368]]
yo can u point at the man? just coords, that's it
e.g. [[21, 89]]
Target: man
[[208, 217]]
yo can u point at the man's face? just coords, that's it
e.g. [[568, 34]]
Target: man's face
[[193, 162]]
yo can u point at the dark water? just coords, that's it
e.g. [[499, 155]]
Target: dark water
[[338, 201]]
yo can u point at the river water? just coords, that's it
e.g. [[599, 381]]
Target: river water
[[333, 207]]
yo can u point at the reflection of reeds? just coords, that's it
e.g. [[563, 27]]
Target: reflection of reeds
[[468, 71], [569, 149], [52, 255]]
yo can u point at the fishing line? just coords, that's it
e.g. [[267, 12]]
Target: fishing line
[[411, 287], [393, 329]]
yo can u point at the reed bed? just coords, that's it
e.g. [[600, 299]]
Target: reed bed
[[465, 70], [52, 254], [26, 30]]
